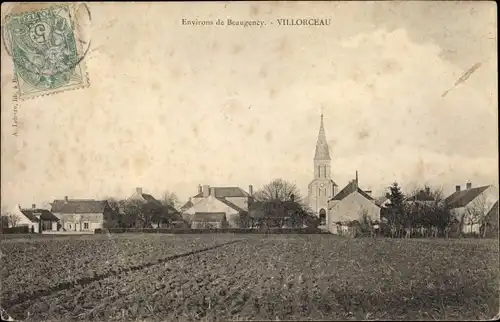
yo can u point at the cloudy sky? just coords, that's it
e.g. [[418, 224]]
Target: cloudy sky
[[170, 106]]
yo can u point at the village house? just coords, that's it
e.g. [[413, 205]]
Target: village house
[[81, 214], [142, 197], [36, 219], [145, 198], [211, 220], [423, 197], [348, 206], [230, 201], [469, 205]]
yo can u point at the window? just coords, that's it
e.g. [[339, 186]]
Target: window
[[85, 225], [69, 225], [319, 171], [324, 171]]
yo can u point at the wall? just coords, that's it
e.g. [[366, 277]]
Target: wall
[[489, 196], [316, 194], [210, 204], [349, 209], [203, 224], [77, 221]]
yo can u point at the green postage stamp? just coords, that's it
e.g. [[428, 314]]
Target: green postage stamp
[[45, 48]]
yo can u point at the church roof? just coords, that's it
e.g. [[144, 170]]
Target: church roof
[[350, 188], [322, 151]]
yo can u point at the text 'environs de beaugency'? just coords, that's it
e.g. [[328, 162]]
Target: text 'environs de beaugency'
[[247, 23]]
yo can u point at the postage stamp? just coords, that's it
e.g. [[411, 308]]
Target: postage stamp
[[46, 54]]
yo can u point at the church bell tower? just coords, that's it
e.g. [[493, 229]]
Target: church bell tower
[[322, 188]]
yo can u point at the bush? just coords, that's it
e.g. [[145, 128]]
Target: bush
[[16, 230], [210, 231]]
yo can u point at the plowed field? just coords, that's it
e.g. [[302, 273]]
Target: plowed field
[[247, 277]]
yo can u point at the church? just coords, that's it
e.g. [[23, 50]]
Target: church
[[326, 202], [322, 188]]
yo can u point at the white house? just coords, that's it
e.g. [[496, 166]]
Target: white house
[[35, 219], [348, 205], [230, 201], [81, 214], [466, 205]]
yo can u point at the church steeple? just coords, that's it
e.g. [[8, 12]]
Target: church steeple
[[322, 151]]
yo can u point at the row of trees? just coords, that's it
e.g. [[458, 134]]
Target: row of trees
[[407, 217], [139, 214]]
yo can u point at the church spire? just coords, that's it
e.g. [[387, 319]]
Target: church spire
[[322, 151]]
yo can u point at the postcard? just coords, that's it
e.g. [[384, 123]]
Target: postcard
[[224, 161]]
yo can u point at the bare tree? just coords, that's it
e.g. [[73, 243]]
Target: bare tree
[[9, 219], [170, 199], [476, 212], [278, 190]]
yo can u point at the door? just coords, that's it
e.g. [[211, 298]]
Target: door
[[322, 217]]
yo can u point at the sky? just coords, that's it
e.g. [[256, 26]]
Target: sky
[[170, 107]]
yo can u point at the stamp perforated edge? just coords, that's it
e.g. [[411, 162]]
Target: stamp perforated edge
[[86, 78]]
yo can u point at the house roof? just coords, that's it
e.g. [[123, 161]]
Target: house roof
[[44, 214], [380, 200], [209, 216], [464, 197], [226, 192], [150, 198], [348, 189], [422, 195], [232, 205], [187, 205], [75, 206]]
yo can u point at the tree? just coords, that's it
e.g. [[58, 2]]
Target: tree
[[397, 212], [114, 218], [9, 219], [170, 199], [476, 212], [280, 190]]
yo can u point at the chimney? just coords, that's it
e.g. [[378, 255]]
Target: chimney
[[139, 191], [65, 199], [33, 206], [457, 188], [250, 190], [357, 182], [212, 192], [469, 185], [206, 191], [200, 189], [292, 197]]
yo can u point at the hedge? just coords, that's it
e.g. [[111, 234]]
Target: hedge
[[16, 230], [210, 231]]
